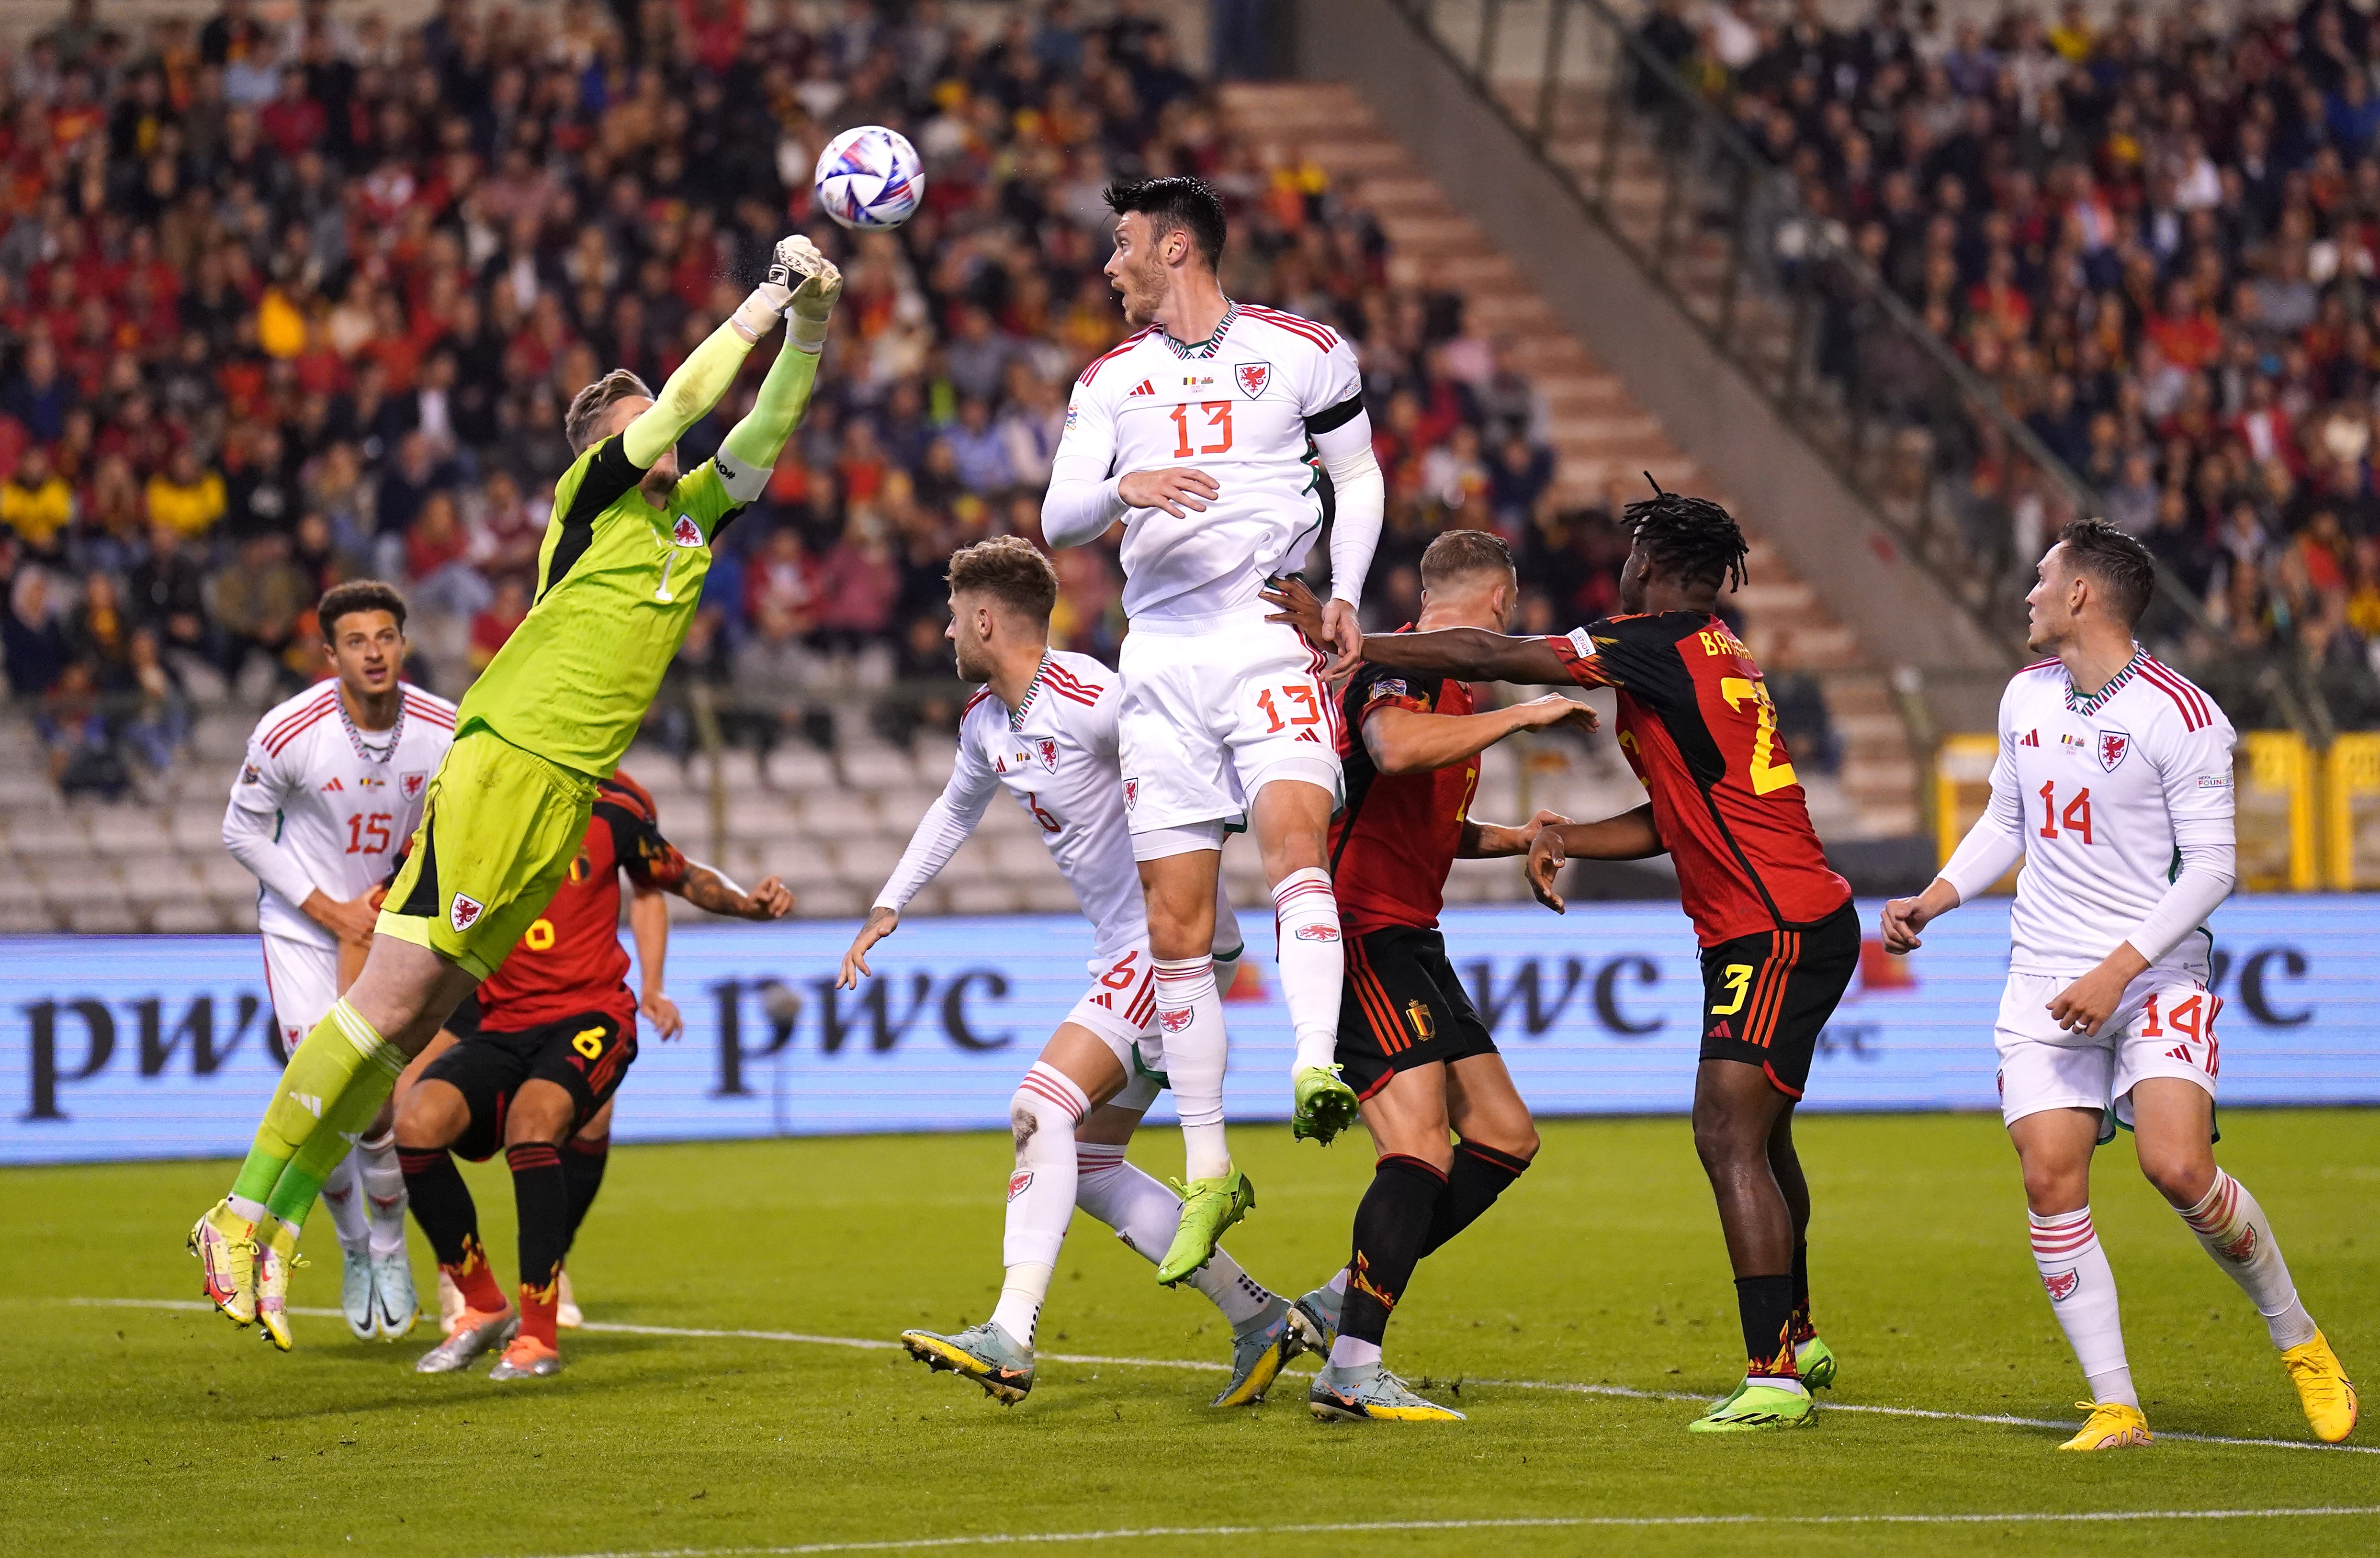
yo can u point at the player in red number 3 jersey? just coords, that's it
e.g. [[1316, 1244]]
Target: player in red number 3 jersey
[[2114, 787]]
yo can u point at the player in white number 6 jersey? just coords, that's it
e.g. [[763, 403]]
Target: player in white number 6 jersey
[[331, 789], [1199, 434], [2114, 787], [1044, 728]]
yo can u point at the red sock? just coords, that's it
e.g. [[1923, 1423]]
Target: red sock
[[537, 1309], [476, 1280]]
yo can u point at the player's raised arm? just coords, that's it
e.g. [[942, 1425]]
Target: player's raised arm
[[750, 449], [799, 273]]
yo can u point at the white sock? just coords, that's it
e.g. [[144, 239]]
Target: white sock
[[1144, 1215], [1043, 1114], [243, 1207], [1313, 963], [383, 1188], [2082, 1290], [343, 1193], [2234, 1229], [1337, 1282], [1346, 1352], [1190, 1014]]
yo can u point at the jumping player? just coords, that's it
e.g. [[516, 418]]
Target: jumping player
[[555, 1037], [1779, 937], [331, 789], [1409, 1040], [1207, 435], [2113, 785], [619, 575], [1044, 728]]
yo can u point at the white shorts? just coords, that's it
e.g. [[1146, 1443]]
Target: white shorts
[[1121, 1008], [303, 980], [2166, 1028], [1211, 714]]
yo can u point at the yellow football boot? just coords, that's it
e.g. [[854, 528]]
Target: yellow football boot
[[2112, 1426], [2327, 1394], [224, 1243], [273, 1284]]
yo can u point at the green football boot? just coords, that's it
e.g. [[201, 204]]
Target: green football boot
[[1325, 1104], [1370, 1394], [1208, 1206], [1814, 1361], [1752, 1407], [983, 1353], [1260, 1348]]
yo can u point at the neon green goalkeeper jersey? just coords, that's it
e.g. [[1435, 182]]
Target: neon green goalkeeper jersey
[[617, 582]]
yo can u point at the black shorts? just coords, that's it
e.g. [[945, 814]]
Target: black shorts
[[1403, 1007], [1766, 996], [587, 1056]]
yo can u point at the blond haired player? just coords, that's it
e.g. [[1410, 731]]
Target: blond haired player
[[331, 785], [1044, 729], [2114, 787], [619, 575], [1208, 436]]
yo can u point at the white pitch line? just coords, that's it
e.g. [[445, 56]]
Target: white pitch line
[[1559, 1522], [1200, 1365]]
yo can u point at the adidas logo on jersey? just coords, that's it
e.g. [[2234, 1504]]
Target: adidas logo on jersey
[[2032, 738], [1143, 388], [334, 784]]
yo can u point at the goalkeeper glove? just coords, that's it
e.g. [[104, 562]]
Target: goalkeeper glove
[[812, 285]]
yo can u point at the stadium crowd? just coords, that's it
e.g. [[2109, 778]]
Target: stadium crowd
[[2155, 238], [282, 305]]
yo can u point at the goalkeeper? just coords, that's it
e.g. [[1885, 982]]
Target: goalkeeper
[[619, 573]]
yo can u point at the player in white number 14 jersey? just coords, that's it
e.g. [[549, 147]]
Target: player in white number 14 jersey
[[331, 789], [2114, 787], [1201, 435], [1044, 729]]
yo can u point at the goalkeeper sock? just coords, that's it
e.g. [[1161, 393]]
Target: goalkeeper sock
[[328, 1095]]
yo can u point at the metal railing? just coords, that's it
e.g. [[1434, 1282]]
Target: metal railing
[[1969, 491]]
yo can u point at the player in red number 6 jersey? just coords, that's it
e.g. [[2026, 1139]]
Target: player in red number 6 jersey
[[1779, 937], [2114, 787]]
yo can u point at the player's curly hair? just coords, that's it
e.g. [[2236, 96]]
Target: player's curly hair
[[356, 594], [2121, 565], [587, 406], [1178, 203], [1011, 571], [1693, 538]]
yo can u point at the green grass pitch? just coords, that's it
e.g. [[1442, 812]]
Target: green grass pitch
[[134, 1431]]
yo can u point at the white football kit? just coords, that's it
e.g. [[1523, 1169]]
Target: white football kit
[[319, 803], [1056, 756], [1217, 700], [2120, 806]]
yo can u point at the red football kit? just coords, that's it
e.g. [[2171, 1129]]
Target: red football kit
[[570, 961], [1698, 728]]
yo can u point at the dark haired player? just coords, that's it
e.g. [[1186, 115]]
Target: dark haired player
[[2113, 785], [1779, 937], [619, 573], [1409, 1042], [332, 786], [1207, 435], [556, 1035]]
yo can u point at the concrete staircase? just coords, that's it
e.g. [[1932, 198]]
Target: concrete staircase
[[1599, 431]]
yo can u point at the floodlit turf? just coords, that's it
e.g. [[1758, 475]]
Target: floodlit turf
[[137, 1430]]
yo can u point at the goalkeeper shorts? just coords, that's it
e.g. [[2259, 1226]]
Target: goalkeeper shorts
[[498, 829]]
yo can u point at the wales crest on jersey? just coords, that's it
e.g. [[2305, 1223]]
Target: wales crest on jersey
[[2113, 744]]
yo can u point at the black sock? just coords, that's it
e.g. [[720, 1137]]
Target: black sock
[[1766, 1306], [1803, 1329], [441, 1202], [1391, 1223], [541, 1195], [582, 1165], [1480, 1175]]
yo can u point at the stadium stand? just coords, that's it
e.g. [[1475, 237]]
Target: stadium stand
[[285, 302]]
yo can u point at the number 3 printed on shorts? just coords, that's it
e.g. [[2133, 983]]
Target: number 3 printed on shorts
[[1218, 414], [1293, 695]]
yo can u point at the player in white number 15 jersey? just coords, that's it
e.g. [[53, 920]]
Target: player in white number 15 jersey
[[331, 789], [1202, 434], [1044, 729], [2114, 787]]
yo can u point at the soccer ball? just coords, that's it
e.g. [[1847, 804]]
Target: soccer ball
[[869, 178]]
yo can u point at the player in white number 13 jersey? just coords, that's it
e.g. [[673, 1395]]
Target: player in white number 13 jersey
[[1196, 435], [331, 789], [1044, 729], [2114, 787]]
